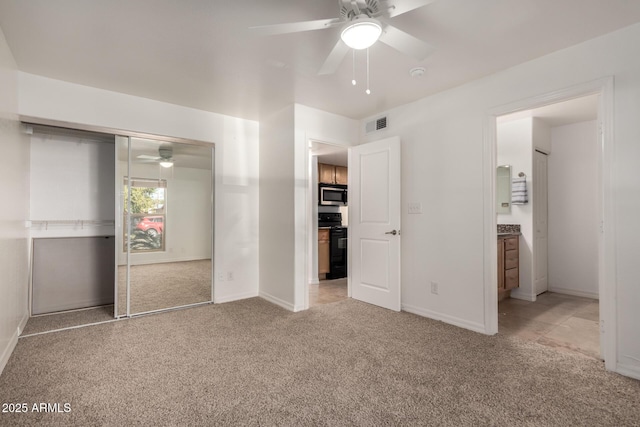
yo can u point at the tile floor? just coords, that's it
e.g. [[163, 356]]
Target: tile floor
[[561, 321], [328, 291]]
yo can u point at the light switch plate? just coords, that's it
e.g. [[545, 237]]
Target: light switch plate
[[415, 207]]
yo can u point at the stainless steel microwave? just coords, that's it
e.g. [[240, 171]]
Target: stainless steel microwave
[[332, 195]]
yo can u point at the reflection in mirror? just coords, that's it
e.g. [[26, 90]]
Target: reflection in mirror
[[147, 215], [503, 189], [121, 168], [167, 233]]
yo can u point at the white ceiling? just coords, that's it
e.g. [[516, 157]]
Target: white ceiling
[[329, 154], [201, 54]]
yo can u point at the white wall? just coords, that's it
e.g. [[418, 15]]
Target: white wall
[[277, 259], [515, 148], [573, 209], [14, 193], [287, 228], [541, 135], [236, 161], [444, 165], [71, 178]]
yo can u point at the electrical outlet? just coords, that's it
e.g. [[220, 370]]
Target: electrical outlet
[[230, 276], [220, 277], [434, 288], [415, 207]]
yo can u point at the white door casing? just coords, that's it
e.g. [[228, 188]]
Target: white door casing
[[541, 223], [374, 222]]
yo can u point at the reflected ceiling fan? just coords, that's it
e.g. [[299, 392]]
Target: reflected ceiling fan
[[364, 22], [164, 157]]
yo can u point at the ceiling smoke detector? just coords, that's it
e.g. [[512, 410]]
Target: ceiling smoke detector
[[417, 72]]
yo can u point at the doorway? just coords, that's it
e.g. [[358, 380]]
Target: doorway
[[561, 295], [374, 218], [328, 227]]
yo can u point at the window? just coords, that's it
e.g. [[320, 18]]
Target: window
[[147, 200]]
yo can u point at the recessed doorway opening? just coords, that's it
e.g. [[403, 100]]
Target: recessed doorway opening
[[328, 259], [558, 156]]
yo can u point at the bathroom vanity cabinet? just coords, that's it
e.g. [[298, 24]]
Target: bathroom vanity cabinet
[[508, 264]]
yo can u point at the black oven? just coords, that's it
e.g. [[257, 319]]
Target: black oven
[[337, 253], [332, 195]]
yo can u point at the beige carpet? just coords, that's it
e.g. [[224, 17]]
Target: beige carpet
[[348, 363], [159, 286]]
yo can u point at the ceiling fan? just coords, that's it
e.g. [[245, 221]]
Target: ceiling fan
[[164, 157], [364, 22]]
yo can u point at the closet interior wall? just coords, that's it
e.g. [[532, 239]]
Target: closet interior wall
[[72, 217]]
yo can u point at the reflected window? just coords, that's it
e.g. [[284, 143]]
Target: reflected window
[[147, 201]]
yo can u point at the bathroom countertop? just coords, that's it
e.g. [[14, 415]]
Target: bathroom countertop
[[505, 235]]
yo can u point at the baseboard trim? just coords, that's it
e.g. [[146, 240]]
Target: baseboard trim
[[8, 350], [164, 261], [628, 370], [277, 301], [452, 320], [574, 293], [522, 296], [77, 305], [23, 324], [235, 297]]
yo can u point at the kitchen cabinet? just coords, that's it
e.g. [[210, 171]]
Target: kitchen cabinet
[[508, 264], [331, 174], [323, 251], [341, 175]]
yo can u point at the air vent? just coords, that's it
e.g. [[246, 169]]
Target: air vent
[[375, 125]]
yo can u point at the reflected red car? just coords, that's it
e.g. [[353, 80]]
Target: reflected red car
[[153, 225]]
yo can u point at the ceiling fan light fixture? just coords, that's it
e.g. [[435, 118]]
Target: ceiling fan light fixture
[[166, 163], [361, 33]]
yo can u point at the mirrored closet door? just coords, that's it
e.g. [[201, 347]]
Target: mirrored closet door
[[164, 200]]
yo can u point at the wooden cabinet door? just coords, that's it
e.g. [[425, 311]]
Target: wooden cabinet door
[[500, 264], [511, 278], [323, 251], [326, 173], [341, 175]]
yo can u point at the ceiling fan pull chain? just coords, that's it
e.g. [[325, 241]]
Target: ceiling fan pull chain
[[353, 70], [368, 91]]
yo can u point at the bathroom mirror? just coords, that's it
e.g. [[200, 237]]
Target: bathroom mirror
[[503, 189]]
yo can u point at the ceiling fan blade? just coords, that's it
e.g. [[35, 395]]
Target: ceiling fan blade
[[403, 6], [406, 43], [334, 59], [295, 27]]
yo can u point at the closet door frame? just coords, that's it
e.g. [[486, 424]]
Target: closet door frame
[[115, 132]]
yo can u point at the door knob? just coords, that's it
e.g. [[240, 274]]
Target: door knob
[[392, 232]]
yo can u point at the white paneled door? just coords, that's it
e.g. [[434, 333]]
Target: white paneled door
[[374, 222]]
